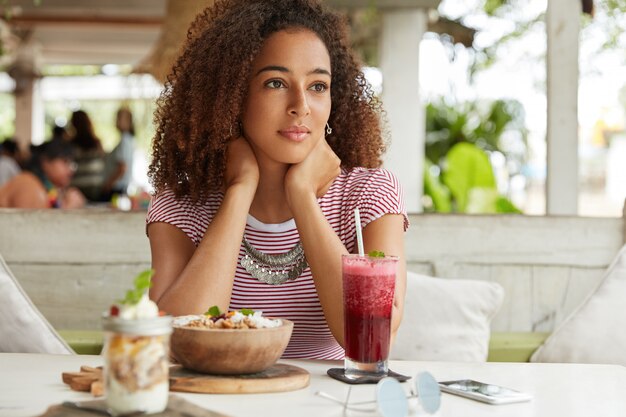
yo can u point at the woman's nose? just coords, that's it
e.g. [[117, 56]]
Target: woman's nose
[[299, 105]]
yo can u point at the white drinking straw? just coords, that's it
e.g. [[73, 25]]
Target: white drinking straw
[[359, 234]]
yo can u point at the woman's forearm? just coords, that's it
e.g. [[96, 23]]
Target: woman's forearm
[[208, 277], [323, 250], [386, 234]]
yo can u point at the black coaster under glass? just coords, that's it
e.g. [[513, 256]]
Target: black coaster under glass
[[340, 375]]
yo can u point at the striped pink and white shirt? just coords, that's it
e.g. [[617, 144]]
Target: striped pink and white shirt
[[375, 191]]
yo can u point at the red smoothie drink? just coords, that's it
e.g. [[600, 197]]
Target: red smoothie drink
[[368, 291]]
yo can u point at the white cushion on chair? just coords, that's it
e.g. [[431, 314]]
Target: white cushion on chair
[[595, 331], [23, 329], [446, 319]]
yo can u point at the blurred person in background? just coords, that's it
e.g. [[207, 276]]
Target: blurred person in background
[[46, 182], [119, 163], [89, 157], [9, 167], [59, 134]]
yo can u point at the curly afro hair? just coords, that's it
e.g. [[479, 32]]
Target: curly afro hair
[[199, 109]]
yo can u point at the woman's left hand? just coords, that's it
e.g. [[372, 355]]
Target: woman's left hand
[[315, 173]]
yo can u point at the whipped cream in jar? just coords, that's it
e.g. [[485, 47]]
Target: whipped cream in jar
[[136, 358]]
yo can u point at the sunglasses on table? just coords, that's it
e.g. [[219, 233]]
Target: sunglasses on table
[[392, 401]]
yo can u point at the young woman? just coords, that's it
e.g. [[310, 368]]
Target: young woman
[[268, 136], [119, 164], [89, 156], [45, 184]]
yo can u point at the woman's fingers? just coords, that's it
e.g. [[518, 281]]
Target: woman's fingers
[[316, 172]]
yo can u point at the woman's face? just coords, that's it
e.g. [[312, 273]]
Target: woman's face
[[288, 101], [59, 171]]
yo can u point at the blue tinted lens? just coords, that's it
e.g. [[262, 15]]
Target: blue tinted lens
[[391, 398], [428, 392]]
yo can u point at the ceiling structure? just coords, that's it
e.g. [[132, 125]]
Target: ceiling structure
[[143, 33], [86, 31]]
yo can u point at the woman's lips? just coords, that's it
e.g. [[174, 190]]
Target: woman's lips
[[296, 133]]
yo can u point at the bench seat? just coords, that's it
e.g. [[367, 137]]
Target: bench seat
[[503, 346]]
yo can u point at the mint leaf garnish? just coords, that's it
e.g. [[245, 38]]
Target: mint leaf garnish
[[143, 280], [247, 311], [376, 254], [213, 311], [142, 284]]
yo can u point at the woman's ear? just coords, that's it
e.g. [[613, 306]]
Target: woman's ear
[[236, 131]]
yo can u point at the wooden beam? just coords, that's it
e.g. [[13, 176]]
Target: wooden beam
[[455, 29], [86, 20]]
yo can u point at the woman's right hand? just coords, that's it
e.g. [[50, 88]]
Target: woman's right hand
[[241, 164]]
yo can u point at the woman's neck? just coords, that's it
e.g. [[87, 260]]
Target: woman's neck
[[270, 201]]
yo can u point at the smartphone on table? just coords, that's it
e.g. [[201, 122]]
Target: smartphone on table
[[487, 393]]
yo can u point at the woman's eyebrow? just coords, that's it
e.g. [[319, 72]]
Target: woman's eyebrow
[[272, 68], [320, 71], [285, 69]]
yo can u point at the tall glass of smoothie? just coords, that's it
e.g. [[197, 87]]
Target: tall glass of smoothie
[[368, 290]]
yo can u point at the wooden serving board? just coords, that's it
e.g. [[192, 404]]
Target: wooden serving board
[[88, 379], [280, 377]]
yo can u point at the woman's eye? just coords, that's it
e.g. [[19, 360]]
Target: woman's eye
[[319, 87], [274, 84]]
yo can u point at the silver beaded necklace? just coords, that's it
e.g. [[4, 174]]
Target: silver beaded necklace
[[274, 269]]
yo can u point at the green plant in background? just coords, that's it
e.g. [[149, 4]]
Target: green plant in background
[[467, 168], [458, 175], [439, 194], [7, 116]]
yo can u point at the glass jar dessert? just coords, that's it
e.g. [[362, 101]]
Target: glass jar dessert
[[136, 352]]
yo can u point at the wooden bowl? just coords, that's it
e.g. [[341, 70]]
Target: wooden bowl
[[229, 351]]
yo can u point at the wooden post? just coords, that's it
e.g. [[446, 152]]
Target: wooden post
[[25, 71], [563, 27], [624, 222], [24, 94], [399, 60]]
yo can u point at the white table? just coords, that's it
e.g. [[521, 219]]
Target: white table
[[29, 383]]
